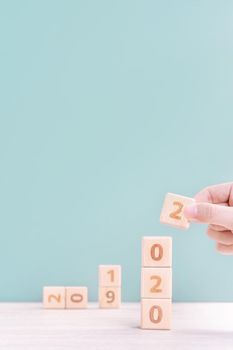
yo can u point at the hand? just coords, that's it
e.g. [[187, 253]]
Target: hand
[[214, 206]]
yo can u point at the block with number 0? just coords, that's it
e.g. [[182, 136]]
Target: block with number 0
[[76, 297], [156, 282], [173, 210], [157, 251], [156, 313]]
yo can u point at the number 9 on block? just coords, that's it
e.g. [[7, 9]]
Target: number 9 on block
[[109, 297]]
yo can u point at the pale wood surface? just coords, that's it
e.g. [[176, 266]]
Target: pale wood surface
[[195, 326]]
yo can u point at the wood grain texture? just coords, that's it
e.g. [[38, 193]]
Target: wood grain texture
[[195, 326]]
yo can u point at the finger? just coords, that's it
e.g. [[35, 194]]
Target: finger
[[211, 214], [225, 237], [224, 249], [215, 194], [217, 227]]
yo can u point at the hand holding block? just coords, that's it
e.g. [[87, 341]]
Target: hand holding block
[[157, 251], [76, 297], [173, 210], [156, 313], [109, 275], [156, 282], [54, 297], [109, 297]]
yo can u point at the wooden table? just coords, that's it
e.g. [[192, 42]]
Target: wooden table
[[195, 326]]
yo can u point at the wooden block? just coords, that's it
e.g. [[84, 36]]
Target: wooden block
[[54, 297], [109, 276], [156, 282], [156, 313], [157, 251], [76, 297], [109, 297], [173, 210]]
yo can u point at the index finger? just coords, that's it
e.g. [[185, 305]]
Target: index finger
[[217, 194]]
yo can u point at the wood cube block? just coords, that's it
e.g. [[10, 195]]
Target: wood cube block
[[54, 297], [157, 251], [76, 297], [156, 313], [109, 275], [156, 282], [109, 297], [173, 210]]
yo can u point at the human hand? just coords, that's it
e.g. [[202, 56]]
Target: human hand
[[214, 206]]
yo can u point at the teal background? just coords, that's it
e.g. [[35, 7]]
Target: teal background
[[106, 106]]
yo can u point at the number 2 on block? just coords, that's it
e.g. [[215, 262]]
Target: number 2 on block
[[175, 214], [155, 288]]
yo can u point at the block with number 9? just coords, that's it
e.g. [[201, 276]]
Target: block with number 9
[[109, 297]]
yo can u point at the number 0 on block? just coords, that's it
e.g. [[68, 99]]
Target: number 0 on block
[[156, 313], [156, 251]]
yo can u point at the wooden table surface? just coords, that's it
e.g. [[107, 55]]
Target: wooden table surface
[[195, 326]]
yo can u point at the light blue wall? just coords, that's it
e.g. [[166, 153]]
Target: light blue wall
[[105, 106]]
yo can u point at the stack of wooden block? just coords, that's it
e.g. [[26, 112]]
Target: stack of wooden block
[[109, 286], [156, 283]]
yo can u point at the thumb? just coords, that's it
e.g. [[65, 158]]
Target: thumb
[[210, 214]]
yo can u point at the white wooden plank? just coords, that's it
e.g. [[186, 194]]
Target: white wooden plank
[[195, 326]]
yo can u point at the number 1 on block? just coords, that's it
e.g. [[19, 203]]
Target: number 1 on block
[[109, 275]]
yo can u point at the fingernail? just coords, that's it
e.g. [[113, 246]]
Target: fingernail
[[190, 211]]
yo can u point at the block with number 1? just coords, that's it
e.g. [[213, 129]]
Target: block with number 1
[[109, 286]]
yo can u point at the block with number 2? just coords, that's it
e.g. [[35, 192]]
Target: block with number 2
[[156, 282], [173, 210]]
